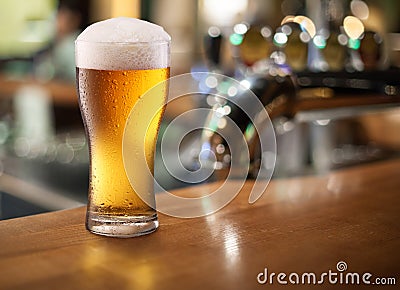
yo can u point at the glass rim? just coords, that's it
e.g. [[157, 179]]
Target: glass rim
[[138, 43]]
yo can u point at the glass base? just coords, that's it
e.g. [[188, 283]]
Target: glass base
[[121, 226]]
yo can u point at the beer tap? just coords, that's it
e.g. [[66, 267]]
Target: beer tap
[[285, 93], [212, 47]]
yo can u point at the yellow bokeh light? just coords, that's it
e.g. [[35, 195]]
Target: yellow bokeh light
[[353, 27], [306, 23]]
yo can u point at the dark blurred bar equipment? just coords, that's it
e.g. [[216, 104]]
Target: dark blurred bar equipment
[[346, 76]]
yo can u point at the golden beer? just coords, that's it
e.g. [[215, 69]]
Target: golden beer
[[113, 76], [106, 99]]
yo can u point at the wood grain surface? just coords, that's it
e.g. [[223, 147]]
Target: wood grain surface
[[299, 225]]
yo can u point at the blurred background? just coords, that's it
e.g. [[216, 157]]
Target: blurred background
[[334, 63]]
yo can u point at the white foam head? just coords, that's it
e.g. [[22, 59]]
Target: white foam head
[[122, 44]]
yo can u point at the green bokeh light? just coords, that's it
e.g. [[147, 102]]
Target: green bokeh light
[[236, 39], [354, 43]]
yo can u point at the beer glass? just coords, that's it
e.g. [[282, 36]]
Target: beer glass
[[112, 75]]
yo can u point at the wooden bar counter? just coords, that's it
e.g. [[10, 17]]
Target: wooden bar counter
[[300, 225]]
